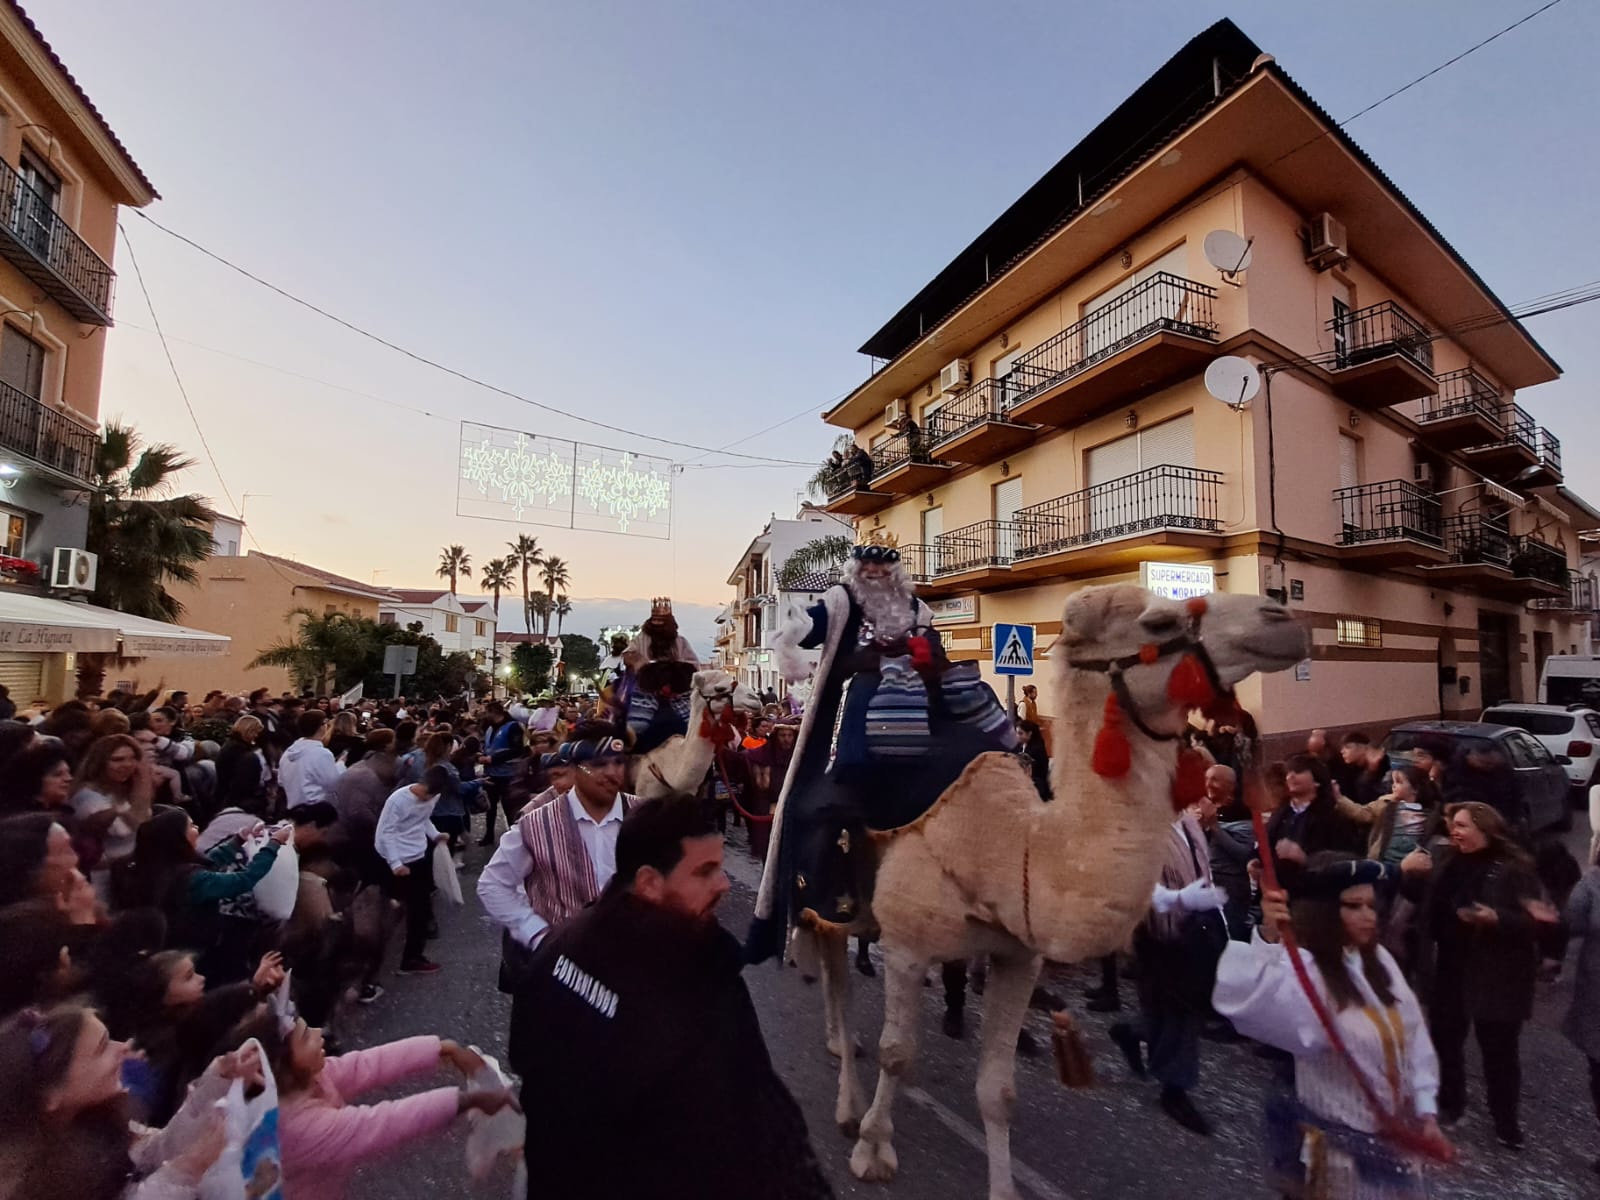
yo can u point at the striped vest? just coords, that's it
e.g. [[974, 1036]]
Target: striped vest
[[562, 882]]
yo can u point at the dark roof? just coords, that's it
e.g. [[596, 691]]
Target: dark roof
[[83, 96], [327, 577], [1206, 71], [419, 595]]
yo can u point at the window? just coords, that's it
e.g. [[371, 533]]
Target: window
[[329, 609], [1171, 443], [233, 549], [15, 527], [386, 619], [1360, 631], [1009, 389], [1169, 304], [39, 192], [21, 362], [1547, 723], [1349, 461], [481, 628], [452, 623], [1341, 324], [1527, 751], [1007, 499]]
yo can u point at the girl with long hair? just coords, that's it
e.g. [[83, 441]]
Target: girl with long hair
[[1323, 1143]]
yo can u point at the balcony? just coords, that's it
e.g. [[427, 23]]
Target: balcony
[[1390, 524], [1161, 512], [35, 240], [851, 495], [901, 465], [1383, 356], [1582, 599], [975, 556], [1466, 412], [1486, 556], [1160, 331], [51, 439], [1548, 447], [1512, 452], [973, 428]]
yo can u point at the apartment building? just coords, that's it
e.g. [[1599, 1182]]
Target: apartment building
[[1038, 417], [745, 640], [458, 626]]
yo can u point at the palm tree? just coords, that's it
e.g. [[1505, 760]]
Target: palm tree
[[498, 576], [823, 554], [454, 561], [144, 536], [555, 575], [823, 478], [538, 605], [563, 610], [525, 553], [320, 647]]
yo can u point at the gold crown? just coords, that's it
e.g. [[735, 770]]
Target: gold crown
[[661, 606], [880, 537]]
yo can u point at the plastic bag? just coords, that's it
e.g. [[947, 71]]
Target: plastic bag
[[492, 1138], [444, 873], [249, 1167], [275, 894]]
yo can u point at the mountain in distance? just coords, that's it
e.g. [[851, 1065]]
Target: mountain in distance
[[696, 622]]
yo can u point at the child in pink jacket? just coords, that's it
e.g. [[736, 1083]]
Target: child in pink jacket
[[322, 1139]]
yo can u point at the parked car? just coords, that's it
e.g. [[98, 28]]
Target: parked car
[[1543, 792], [1568, 733], [1570, 679]]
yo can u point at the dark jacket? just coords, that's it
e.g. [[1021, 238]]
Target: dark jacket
[[239, 782], [1488, 971], [634, 1029], [1320, 827]]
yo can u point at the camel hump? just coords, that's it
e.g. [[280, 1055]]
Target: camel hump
[[993, 781]]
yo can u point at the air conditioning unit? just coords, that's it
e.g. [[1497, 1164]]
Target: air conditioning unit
[[1325, 242], [1422, 475], [955, 376], [896, 412], [73, 570]]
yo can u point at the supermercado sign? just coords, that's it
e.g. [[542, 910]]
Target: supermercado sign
[[956, 610], [1178, 581]]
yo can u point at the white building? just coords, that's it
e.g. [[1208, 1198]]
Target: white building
[[227, 536], [443, 617]]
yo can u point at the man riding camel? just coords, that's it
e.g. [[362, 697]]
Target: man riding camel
[[662, 664]]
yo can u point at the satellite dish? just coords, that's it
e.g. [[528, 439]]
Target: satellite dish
[[1227, 252], [1233, 380]]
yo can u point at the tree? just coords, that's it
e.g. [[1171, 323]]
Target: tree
[[144, 536], [563, 610], [525, 554], [454, 561], [824, 476], [823, 554], [555, 575], [498, 576], [325, 651], [580, 656], [538, 605], [530, 666]]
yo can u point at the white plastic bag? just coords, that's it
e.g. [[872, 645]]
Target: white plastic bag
[[249, 1167], [492, 1138], [444, 873], [275, 894]]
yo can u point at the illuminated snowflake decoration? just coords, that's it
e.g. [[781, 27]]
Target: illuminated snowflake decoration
[[623, 490], [518, 473]]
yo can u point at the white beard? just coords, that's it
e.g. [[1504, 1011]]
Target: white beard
[[886, 604]]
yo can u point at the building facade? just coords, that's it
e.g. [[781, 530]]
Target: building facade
[[444, 617], [1039, 418]]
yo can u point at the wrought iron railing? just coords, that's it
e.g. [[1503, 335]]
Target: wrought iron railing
[[847, 477], [1582, 597], [1392, 510], [983, 401], [1164, 497], [1548, 447], [1517, 429], [46, 436], [1531, 559], [1478, 538], [1378, 330], [1462, 393], [896, 451], [919, 561], [29, 221], [973, 547], [1164, 302]]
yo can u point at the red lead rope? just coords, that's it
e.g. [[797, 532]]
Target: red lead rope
[[1390, 1125]]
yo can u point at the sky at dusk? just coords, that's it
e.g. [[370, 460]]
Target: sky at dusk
[[682, 218]]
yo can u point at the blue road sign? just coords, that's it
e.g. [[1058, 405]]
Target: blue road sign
[[1013, 649]]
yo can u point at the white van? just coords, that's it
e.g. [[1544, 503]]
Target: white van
[[1570, 679]]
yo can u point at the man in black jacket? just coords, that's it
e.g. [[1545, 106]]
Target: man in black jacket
[[644, 1069]]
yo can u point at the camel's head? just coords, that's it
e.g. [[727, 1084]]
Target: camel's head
[[1149, 640], [720, 692]]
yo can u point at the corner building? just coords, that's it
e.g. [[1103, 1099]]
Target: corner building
[[1385, 480]]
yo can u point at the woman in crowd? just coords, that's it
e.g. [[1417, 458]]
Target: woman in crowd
[[322, 1139], [242, 770], [345, 740], [38, 779], [15, 737], [115, 795], [64, 1127], [767, 768], [450, 814], [36, 858], [1033, 749], [1324, 1145], [1480, 914], [73, 724], [34, 946], [168, 873]]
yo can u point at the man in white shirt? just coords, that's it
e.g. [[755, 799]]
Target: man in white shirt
[[558, 857], [308, 771], [403, 839]]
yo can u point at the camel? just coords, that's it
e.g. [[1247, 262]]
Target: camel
[[991, 870], [678, 766]]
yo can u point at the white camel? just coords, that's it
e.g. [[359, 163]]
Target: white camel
[[991, 870], [678, 766]]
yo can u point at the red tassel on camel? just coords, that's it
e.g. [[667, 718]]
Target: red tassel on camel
[[1113, 757], [1189, 686], [1189, 784]]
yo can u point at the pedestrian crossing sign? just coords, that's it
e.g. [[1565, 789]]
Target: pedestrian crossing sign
[[1013, 649]]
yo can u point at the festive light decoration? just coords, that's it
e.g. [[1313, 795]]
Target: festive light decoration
[[508, 475]]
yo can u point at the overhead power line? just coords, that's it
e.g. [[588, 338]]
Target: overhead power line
[[449, 370]]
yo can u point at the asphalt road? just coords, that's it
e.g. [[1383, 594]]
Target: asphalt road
[[1108, 1141]]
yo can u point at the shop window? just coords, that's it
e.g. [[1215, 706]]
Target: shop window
[[15, 528], [1366, 632]]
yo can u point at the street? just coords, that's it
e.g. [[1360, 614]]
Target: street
[[1107, 1141]]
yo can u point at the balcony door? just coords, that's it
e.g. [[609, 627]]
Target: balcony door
[[932, 531], [38, 198], [1007, 500], [1008, 384], [1107, 322], [1117, 502], [22, 371]]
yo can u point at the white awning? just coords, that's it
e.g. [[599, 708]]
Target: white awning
[[40, 625]]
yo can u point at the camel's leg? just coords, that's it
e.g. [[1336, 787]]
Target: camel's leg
[[1005, 1003], [873, 1157], [833, 947]]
